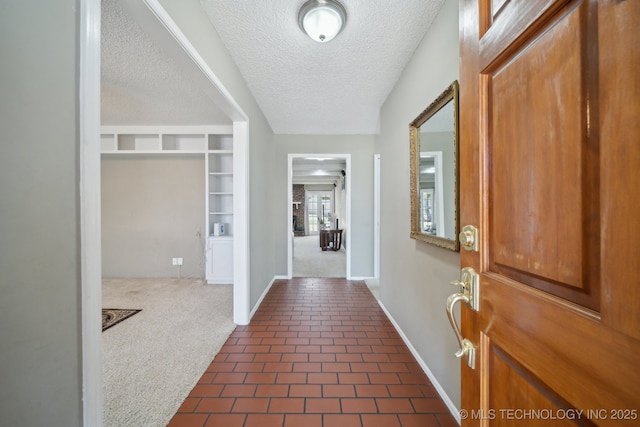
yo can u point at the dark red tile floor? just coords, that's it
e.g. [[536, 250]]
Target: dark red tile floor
[[318, 352]]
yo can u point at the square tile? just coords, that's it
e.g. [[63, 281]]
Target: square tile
[[349, 357], [373, 390], [405, 390], [238, 390], [229, 378], [215, 404], [267, 357], [291, 378], [296, 357], [287, 405], [351, 378], [264, 420], [342, 420], [260, 378], [359, 405], [248, 367], [305, 390], [336, 367], [226, 420], [394, 405], [322, 378], [384, 378], [393, 367], [221, 367], [303, 420], [365, 367], [272, 390], [251, 404], [380, 420], [322, 357], [240, 357], [307, 367], [323, 405], [333, 390], [278, 367]]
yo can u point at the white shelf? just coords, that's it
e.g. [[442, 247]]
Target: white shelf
[[165, 139]]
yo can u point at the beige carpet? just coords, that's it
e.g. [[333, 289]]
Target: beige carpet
[[152, 360], [311, 261]]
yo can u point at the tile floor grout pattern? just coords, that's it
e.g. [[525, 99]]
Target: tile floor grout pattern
[[317, 352]]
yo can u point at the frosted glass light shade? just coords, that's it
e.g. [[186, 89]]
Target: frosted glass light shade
[[322, 20]]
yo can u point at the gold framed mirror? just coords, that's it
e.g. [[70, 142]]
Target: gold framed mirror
[[433, 143]]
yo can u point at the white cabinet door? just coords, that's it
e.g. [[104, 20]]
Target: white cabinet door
[[220, 260]]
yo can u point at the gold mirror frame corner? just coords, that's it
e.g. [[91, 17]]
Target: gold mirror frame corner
[[450, 93]]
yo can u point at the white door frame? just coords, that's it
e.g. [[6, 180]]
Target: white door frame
[[376, 216], [159, 25], [291, 156], [89, 193]]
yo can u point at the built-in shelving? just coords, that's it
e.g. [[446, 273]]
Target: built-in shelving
[[215, 143]]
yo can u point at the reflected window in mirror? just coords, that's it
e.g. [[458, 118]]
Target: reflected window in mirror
[[434, 174]]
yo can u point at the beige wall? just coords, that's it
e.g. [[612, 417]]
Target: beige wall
[[415, 276], [40, 326], [152, 207]]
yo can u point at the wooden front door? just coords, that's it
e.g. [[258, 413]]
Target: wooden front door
[[550, 176]]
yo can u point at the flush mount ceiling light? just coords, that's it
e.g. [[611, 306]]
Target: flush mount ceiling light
[[322, 20]]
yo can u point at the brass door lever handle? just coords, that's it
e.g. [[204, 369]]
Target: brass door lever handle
[[469, 295]]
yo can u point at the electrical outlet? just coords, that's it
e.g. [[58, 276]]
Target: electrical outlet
[[174, 261], [198, 234], [179, 261]]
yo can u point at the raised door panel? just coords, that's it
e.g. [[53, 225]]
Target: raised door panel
[[543, 198]]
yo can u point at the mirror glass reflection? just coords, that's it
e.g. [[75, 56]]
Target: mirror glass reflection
[[437, 176], [434, 192]]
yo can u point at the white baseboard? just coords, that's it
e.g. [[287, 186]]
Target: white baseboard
[[266, 290], [361, 278], [445, 397]]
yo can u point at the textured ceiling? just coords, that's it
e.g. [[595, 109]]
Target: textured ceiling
[[140, 84], [304, 87]]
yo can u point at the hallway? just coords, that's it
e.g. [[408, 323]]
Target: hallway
[[318, 352]]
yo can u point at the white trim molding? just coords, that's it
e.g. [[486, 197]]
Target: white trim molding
[[89, 194], [241, 255]]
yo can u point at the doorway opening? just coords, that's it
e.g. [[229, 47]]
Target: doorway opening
[[166, 32], [319, 206]]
